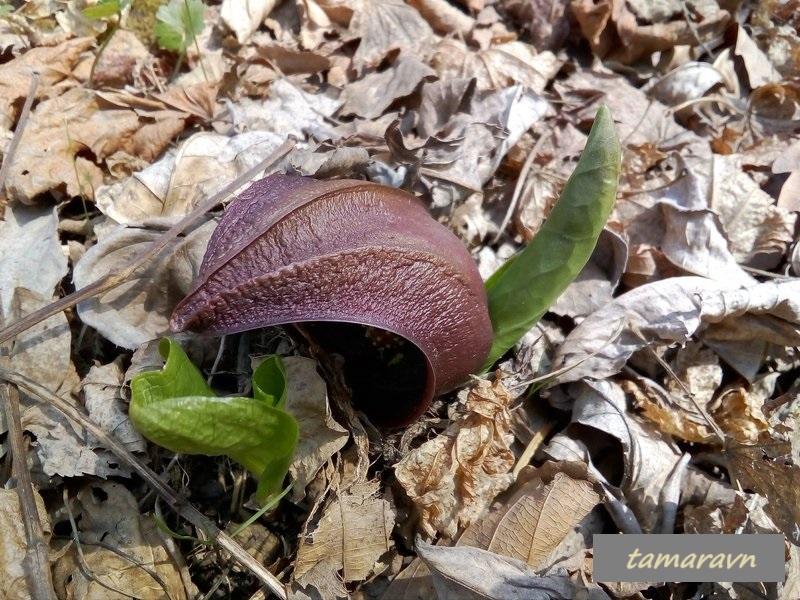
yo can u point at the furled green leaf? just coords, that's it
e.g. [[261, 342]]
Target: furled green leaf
[[178, 23], [522, 290], [175, 408]]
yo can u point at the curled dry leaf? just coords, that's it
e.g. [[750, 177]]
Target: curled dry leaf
[[139, 309], [671, 311], [452, 478], [320, 435], [465, 573]]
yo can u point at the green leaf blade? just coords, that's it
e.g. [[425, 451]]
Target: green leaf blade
[[176, 409], [521, 291], [178, 23]]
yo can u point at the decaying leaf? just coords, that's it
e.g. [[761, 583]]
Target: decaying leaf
[[320, 435], [673, 310], [471, 573], [542, 510], [453, 477], [143, 561], [14, 566], [139, 309], [352, 534]]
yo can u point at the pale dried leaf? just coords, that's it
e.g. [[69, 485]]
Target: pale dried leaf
[[320, 435], [672, 310], [756, 64], [104, 403], [53, 65], [59, 128], [453, 477], [139, 309], [371, 96], [243, 17], [500, 66], [752, 222], [14, 566], [174, 185], [386, 25], [30, 253], [107, 512], [471, 573], [352, 534]]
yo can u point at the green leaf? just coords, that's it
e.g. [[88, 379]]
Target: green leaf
[[523, 288], [175, 408], [102, 10], [178, 23]]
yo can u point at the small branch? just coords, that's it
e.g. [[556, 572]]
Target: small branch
[[170, 496], [112, 280], [37, 559]]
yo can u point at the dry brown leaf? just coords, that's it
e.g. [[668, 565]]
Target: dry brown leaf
[[53, 64], [672, 310], [546, 20], [122, 56], [753, 224], [351, 536], [14, 564], [444, 18], [497, 67], [615, 32], [386, 25], [320, 435], [108, 516], [536, 518], [452, 478], [371, 96], [139, 309]]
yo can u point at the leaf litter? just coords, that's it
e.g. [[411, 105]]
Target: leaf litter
[[683, 328]]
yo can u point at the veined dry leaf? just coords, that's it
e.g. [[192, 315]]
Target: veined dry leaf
[[200, 167], [616, 33], [352, 534], [752, 222], [453, 477], [648, 458], [673, 310], [769, 470], [500, 66], [465, 573], [537, 517], [54, 64]]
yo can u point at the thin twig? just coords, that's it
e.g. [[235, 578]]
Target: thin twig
[[113, 279], [37, 560], [170, 496], [21, 123]]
